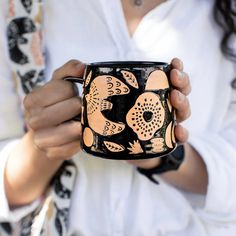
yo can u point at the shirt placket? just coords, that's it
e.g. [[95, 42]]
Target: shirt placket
[[117, 27]]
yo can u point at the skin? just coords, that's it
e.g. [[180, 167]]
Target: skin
[[50, 139], [134, 14]]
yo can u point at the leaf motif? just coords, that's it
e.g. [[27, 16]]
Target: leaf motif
[[130, 78], [157, 80], [169, 135], [88, 78], [114, 147], [135, 148]]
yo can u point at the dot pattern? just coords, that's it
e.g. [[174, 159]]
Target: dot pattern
[[145, 126], [114, 147]]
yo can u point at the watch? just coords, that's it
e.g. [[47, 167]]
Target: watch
[[169, 162]]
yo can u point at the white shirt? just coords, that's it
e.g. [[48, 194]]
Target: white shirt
[[111, 197]]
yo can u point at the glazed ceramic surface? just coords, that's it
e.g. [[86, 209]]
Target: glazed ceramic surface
[[126, 111]]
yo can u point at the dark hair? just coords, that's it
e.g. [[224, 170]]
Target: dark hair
[[225, 17]]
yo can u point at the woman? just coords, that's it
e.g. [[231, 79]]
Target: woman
[[92, 196]]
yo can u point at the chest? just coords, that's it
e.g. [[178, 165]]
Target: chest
[[98, 31]]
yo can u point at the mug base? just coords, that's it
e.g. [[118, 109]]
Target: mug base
[[120, 156]]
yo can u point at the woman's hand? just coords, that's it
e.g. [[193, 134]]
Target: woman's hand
[[179, 101], [49, 107], [50, 140]]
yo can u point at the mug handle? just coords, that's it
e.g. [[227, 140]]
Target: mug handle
[[79, 80]]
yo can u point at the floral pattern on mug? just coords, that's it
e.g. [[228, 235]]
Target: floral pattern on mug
[[114, 147], [157, 80], [157, 145], [135, 148], [87, 80], [169, 135], [146, 116], [130, 78], [100, 89]]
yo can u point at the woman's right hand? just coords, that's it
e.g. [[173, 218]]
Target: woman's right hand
[[49, 107], [36, 158]]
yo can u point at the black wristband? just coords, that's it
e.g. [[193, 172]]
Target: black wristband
[[169, 162]]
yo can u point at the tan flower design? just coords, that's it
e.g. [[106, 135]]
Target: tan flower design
[[157, 145], [135, 147], [146, 116]]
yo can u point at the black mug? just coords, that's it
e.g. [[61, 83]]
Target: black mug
[[126, 111]]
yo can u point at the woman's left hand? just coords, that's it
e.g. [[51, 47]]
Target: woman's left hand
[[179, 101]]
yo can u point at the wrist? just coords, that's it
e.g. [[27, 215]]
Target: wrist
[[167, 163], [27, 173], [34, 154], [147, 163]]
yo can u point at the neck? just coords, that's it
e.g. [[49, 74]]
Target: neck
[[137, 2], [134, 13]]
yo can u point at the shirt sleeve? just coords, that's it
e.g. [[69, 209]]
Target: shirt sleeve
[[218, 150], [11, 121]]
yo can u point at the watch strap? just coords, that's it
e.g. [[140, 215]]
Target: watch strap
[[169, 162]]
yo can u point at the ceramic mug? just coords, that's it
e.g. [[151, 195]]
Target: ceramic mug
[[126, 111]]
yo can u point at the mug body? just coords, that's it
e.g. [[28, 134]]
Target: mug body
[[126, 111]]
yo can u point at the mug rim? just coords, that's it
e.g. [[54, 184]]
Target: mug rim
[[128, 63]]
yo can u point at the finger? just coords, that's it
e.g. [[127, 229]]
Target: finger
[[176, 63], [181, 104], [181, 81], [72, 68], [55, 114], [59, 135], [181, 133], [51, 93], [63, 152]]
